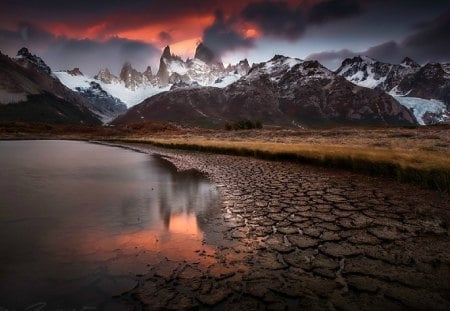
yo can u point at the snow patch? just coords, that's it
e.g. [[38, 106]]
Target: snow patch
[[281, 65], [365, 79], [227, 80], [275, 68], [176, 66]]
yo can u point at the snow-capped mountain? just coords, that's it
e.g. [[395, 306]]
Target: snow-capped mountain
[[282, 91], [367, 72], [205, 69], [132, 87], [425, 90]]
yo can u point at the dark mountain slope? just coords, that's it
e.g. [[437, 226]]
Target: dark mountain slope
[[29, 93]]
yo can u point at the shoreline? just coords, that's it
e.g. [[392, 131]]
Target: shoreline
[[359, 233]]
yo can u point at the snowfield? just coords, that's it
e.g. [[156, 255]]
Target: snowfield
[[118, 90]]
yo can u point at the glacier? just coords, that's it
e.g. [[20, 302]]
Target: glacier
[[420, 106]]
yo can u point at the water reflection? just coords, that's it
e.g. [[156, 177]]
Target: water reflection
[[78, 221]]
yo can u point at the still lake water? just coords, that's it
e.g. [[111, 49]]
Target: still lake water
[[78, 221]]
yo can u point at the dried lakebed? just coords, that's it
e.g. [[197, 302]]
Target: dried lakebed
[[302, 237]]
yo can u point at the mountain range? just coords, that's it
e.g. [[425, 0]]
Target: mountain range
[[201, 91], [283, 91]]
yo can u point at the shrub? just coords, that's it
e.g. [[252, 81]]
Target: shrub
[[244, 124]]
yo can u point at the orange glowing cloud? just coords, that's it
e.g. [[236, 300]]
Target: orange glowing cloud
[[185, 48], [182, 31]]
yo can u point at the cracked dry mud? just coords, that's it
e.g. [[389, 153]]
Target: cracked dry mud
[[302, 237]]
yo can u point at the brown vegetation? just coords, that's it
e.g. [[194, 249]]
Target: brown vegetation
[[418, 155]]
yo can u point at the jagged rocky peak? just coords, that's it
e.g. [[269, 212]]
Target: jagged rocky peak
[[23, 52], [166, 53], [284, 60], [106, 76], [243, 67], [408, 62], [148, 73], [130, 76], [244, 63], [205, 54], [352, 65], [26, 59], [75, 72], [163, 73], [357, 60]]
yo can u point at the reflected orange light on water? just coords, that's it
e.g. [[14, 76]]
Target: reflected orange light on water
[[184, 224], [181, 240]]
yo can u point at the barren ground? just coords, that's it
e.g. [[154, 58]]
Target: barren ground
[[303, 237]]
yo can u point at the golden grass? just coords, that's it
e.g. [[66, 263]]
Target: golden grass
[[424, 167]]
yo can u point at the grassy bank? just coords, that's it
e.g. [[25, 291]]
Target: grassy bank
[[422, 167]]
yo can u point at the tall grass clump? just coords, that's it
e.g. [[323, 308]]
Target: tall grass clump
[[419, 167]]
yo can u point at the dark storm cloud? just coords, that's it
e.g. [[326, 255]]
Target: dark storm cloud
[[165, 37], [280, 19], [430, 43], [89, 55], [222, 37], [92, 55], [277, 19], [25, 34], [326, 11]]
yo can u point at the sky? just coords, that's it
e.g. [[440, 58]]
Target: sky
[[99, 34]]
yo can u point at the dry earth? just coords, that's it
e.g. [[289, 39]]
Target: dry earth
[[302, 237]]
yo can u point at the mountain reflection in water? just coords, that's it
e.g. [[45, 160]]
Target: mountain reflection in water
[[78, 221]]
